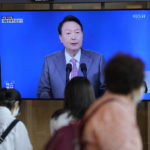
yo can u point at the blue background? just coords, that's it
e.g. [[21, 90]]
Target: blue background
[[23, 46]]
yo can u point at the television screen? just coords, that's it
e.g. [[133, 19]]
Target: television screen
[[26, 37]]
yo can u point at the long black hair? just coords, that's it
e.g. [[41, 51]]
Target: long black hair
[[79, 95]]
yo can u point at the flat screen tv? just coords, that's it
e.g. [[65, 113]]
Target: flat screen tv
[[26, 37]]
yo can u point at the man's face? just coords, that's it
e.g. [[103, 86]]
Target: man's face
[[71, 36]]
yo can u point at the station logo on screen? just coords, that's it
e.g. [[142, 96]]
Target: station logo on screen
[[139, 16], [11, 19]]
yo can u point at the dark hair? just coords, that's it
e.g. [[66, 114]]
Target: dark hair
[[66, 19], [8, 97], [124, 73], [146, 88], [79, 95]]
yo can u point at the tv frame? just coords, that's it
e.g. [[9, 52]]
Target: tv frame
[[66, 10]]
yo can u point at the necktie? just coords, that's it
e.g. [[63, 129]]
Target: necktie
[[74, 72]]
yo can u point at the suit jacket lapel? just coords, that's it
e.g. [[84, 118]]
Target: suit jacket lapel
[[85, 58], [60, 63]]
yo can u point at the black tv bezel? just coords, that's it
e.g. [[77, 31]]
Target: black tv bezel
[[62, 10]]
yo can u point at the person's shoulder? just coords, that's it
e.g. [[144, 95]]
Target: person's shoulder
[[57, 113], [54, 54], [104, 106], [92, 53], [62, 120], [21, 126], [61, 116], [113, 108]]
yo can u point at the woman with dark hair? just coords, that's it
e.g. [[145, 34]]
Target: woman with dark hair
[[113, 126], [79, 95], [17, 139]]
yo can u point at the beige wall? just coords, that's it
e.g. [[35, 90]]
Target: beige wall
[[148, 118], [114, 5], [36, 116]]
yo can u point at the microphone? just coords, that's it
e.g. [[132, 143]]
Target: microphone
[[84, 69], [68, 70]]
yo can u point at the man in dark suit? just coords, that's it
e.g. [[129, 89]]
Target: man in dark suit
[[53, 78]]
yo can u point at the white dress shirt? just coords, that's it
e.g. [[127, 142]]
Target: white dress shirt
[[18, 138], [76, 57]]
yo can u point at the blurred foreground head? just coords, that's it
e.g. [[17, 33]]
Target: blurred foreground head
[[79, 95], [124, 75]]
